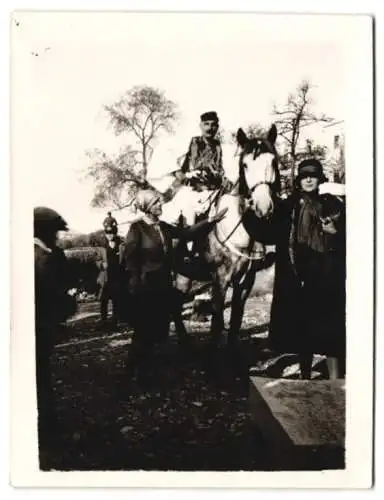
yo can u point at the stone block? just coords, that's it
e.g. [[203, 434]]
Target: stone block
[[303, 421]]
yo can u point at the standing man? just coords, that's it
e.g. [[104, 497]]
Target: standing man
[[53, 305], [110, 277], [110, 221]]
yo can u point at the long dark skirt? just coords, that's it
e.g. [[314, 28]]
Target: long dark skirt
[[308, 307]]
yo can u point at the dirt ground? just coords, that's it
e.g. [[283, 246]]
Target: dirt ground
[[193, 416]]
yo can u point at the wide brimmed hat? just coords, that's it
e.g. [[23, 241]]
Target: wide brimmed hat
[[208, 116], [311, 167], [45, 218]]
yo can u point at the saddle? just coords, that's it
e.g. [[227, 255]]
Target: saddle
[[191, 262]]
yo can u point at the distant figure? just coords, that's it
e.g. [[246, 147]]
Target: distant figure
[[110, 222], [53, 305], [110, 276]]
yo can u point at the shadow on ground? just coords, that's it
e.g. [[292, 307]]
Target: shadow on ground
[[193, 415]]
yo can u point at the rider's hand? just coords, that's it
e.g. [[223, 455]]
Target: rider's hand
[[220, 215], [227, 185], [193, 174]]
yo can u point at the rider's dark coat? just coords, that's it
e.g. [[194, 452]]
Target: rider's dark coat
[[206, 156]]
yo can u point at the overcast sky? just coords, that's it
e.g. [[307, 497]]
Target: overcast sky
[[235, 64]]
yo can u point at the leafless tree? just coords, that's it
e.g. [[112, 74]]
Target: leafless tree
[[116, 177], [295, 114], [142, 114]]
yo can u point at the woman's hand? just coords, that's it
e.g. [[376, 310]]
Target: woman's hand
[[328, 226]]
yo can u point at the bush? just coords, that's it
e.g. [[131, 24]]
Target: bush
[[84, 254], [83, 267]]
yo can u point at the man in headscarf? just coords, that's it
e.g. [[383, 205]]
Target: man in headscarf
[[148, 259]]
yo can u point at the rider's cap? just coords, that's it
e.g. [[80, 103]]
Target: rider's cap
[[209, 115]]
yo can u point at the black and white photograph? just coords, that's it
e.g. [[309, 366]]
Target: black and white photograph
[[191, 183]]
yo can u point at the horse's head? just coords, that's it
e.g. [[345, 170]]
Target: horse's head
[[259, 178]]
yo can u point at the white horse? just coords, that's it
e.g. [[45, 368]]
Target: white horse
[[232, 255]]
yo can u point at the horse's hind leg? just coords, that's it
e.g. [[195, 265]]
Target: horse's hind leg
[[177, 305], [240, 295], [237, 311], [218, 304]]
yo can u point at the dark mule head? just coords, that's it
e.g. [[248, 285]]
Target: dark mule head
[[259, 178]]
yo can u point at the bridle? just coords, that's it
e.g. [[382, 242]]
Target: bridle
[[248, 191], [246, 198]]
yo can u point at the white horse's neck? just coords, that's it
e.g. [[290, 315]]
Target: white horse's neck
[[230, 229]]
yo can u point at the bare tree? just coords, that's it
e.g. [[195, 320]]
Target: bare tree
[[116, 178], [293, 116], [141, 114]]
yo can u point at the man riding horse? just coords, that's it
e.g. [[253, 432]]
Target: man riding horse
[[201, 171], [201, 178], [203, 164]]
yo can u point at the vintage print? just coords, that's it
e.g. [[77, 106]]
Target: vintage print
[[189, 200]]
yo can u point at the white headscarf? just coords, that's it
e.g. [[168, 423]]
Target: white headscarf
[[145, 199]]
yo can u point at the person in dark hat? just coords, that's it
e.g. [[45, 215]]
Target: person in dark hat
[[53, 305], [110, 221], [308, 306], [110, 276]]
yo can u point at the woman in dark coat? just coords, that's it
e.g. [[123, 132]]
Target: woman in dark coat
[[148, 259], [308, 305]]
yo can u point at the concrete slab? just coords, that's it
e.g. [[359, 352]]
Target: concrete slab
[[302, 420]]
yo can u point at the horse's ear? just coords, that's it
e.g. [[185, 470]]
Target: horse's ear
[[272, 134], [241, 137]]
